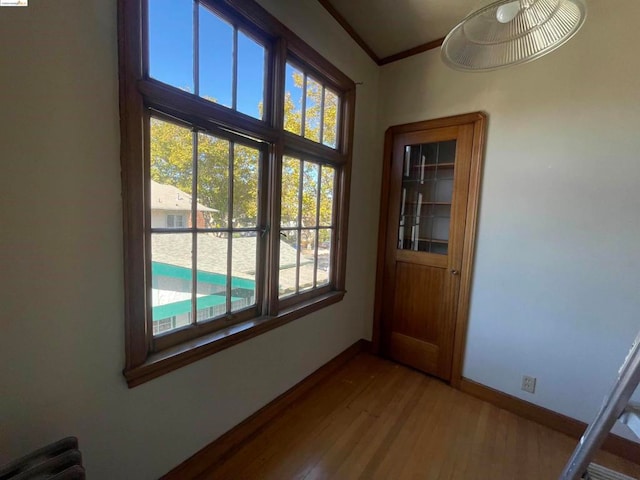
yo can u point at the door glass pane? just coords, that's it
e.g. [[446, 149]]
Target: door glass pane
[[426, 196]]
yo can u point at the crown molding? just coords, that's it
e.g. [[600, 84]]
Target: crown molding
[[368, 50]]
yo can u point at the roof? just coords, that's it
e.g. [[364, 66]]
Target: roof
[[175, 249], [168, 197]]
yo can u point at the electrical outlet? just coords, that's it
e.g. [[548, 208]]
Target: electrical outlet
[[529, 384]]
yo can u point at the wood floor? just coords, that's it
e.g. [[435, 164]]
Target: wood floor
[[374, 419]]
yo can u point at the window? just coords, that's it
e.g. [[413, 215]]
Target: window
[[236, 148], [175, 221], [164, 325], [306, 226], [311, 108]]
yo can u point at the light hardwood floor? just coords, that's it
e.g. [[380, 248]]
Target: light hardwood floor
[[374, 419]]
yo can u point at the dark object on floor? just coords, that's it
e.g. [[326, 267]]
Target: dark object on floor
[[60, 460]]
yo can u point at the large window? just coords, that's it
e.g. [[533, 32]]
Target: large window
[[236, 146]]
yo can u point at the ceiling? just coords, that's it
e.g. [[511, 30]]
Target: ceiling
[[390, 27]]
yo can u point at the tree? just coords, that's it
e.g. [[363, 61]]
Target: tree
[[172, 164], [317, 114]]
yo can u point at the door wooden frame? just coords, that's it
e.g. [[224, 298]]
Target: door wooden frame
[[478, 120]]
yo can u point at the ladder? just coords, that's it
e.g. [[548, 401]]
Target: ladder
[[616, 407]]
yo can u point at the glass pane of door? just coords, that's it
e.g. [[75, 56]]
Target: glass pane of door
[[426, 195]]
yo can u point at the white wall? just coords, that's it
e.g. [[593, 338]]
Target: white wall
[[557, 267], [557, 270], [62, 337]]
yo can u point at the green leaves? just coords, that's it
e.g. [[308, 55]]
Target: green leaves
[[172, 148], [172, 156]]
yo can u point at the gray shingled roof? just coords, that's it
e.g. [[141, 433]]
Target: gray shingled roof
[[168, 197], [175, 249]]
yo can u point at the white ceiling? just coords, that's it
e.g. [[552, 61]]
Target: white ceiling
[[393, 26]]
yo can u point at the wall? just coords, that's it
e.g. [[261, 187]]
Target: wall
[[555, 287], [62, 339]]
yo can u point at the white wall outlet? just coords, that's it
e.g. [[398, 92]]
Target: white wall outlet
[[529, 384]]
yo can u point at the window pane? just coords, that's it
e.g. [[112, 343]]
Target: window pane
[[293, 100], [171, 175], [324, 256], [312, 110], [212, 275], [330, 119], [310, 194], [216, 58], [288, 262], [244, 265], [307, 258], [246, 174], [326, 196], [171, 42], [251, 60], [171, 281], [290, 192], [175, 220], [213, 181], [321, 105]]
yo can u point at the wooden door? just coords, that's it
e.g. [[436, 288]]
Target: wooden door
[[431, 199]]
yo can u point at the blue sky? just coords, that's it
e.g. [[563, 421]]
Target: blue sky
[[171, 56]]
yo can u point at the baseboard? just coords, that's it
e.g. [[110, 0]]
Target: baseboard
[[567, 425], [225, 446]]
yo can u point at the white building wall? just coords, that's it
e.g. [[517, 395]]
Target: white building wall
[[158, 219]]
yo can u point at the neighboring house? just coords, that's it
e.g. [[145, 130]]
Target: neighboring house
[[171, 208], [171, 265]]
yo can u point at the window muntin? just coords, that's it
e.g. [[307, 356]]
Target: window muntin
[[306, 226], [210, 57], [152, 94], [213, 263], [311, 108]]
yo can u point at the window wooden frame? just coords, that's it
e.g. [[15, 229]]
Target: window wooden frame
[[148, 357]]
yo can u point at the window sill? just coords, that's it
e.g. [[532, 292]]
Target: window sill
[[160, 363]]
